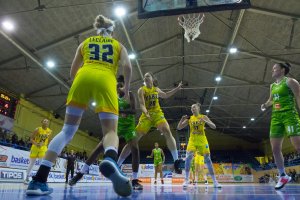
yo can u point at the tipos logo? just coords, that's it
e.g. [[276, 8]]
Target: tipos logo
[[11, 175]]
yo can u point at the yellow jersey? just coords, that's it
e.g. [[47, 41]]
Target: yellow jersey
[[42, 136], [151, 99], [101, 53], [196, 126]]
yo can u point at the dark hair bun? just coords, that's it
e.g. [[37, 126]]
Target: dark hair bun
[[288, 65]]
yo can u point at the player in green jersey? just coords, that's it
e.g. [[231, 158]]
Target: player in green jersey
[[159, 159], [284, 93], [126, 129]]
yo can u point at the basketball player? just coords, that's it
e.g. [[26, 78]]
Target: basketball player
[[126, 129], [39, 139], [284, 93], [152, 116], [197, 141], [199, 167], [192, 169], [94, 68], [159, 159]]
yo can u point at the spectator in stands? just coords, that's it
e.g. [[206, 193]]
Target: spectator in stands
[[21, 142], [14, 139]]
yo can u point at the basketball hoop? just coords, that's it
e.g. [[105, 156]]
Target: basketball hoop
[[191, 25]]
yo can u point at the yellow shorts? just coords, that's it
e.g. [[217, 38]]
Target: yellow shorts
[[156, 118], [37, 152], [94, 85], [199, 160], [199, 144]]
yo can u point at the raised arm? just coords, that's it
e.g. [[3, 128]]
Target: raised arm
[[127, 71], [295, 87], [77, 62], [166, 95], [183, 122], [142, 102], [209, 122], [269, 102]]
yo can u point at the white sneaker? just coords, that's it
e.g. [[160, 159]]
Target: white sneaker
[[217, 185], [185, 184], [282, 181]]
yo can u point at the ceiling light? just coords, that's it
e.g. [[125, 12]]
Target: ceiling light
[[120, 11], [252, 119], [8, 25], [215, 98], [94, 103], [232, 50], [132, 56], [218, 78], [244, 127], [207, 111], [50, 64]]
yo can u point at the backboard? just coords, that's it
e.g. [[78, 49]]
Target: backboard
[[156, 8]]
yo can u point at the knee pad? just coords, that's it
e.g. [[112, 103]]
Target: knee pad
[[63, 138]]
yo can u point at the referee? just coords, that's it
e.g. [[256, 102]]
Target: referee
[[71, 159]]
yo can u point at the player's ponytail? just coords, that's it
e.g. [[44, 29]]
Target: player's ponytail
[[286, 66], [103, 25]]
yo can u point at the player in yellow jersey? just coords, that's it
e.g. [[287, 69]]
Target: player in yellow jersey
[[197, 141], [94, 71], [199, 167], [39, 139], [152, 116]]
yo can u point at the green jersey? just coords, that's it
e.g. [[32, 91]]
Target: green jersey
[[282, 96], [126, 123], [157, 155]]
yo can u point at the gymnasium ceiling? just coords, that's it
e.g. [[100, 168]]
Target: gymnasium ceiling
[[269, 32]]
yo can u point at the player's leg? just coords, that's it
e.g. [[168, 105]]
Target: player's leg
[[72, 120], [161, 173], [67, 173], [126, 151], [142, 128], [85, 168], [210, 167], [135, 161], [108, 167], [188, 161], [277, 130], [155, 173], [171, 143], [30, 166]]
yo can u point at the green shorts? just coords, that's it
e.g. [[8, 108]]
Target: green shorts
[[128, 133], [285, 123], [156, 163]]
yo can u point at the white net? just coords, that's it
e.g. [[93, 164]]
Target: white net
[[191, 25]]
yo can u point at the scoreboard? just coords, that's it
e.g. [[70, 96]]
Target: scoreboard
[[8, 105]]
